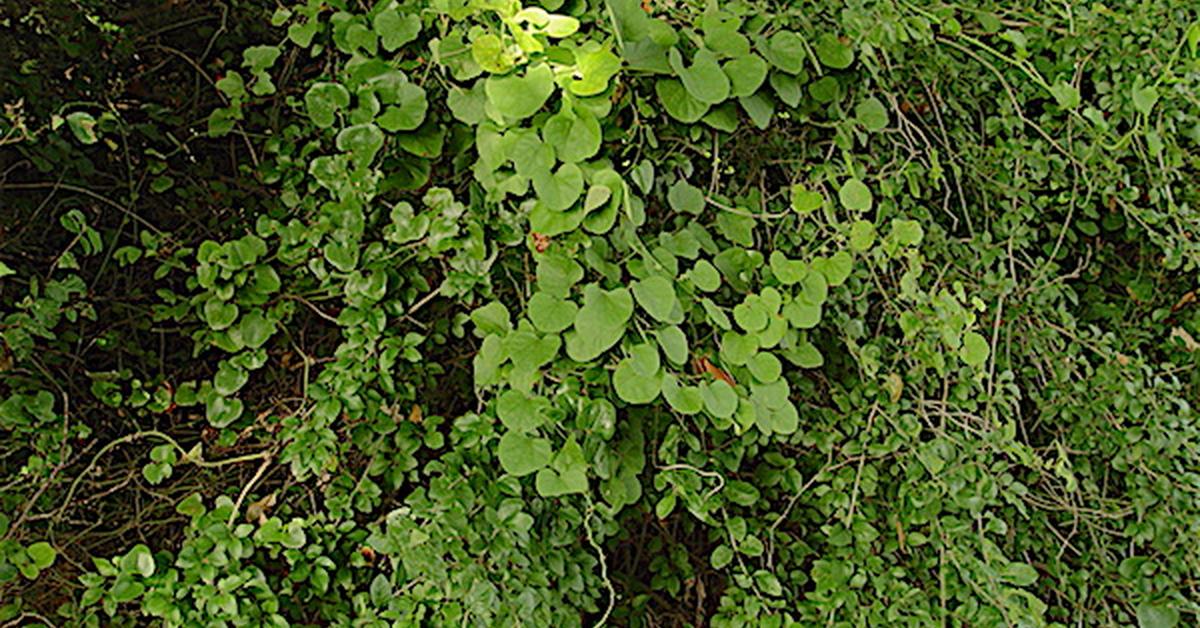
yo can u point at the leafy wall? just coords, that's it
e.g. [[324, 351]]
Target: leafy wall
[[466, 312]]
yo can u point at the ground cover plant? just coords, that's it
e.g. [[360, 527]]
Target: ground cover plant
[[585, 312]]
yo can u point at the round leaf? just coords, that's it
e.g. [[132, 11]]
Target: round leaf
[[855, 195], [521, 455]]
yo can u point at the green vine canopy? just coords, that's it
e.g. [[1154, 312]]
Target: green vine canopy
[[673, 312]]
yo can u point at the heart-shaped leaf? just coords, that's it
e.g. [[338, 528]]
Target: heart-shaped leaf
[[518, 97], [559, 190], [521, 455], [703, 79]]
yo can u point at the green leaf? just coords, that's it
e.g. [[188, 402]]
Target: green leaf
[[356, 38], [599, 416], [704, 79], [595, 65], [323, 100], [600, 322], [836, 268], [125, 589], [222, 411], [807, 356], [785, 50], [232, 85], [551, 314], [343, 255], [768, 583], [679, 104], [574, 134], [862, 235], [723, 117], [746, 74], [229, 378], [683, 399], [83, 127], [567, 473], [1019, 574], [556, 26], [722, 36], [156, 472], [741, 493], [6, 270], [685, 198], [665, 506], [1065, 94], [521, 455], [597, 197], [559, 190], [395, 28], [833, 52], [871, 113], [492, 318], [750, 315], [815, 288], [302, 34], [362, 141], [557, 273], [486, 363], [787, 87], [259, 58], [907, 232], [529, 351], [804, 200], [737, 349], [1156, 616], [140, 560], [489, 51], [975, 350], [42, 554], [1144, 99], [381, 590], [191, 506], [705, 276], [739, 228], [161, 184], [760, 107], [409, 111], [787, 271], [825, 90], [656, 295], [783, 420], [518, 97], [855, 195], [219, 314], [521, 412], [633, 386], [719, 399], [256, 329], [765, 367], [721, 557], [467, 106], [645, 359], [674, 343]]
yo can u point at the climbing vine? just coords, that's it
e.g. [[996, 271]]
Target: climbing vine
[[576, 312]]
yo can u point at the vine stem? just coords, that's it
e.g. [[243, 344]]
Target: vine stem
[[187, 457], [612, 592], [262, 468], [701, 472], [39, 185]]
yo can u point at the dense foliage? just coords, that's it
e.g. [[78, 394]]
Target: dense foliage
[[470, 312]]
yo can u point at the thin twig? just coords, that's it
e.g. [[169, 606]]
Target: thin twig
[[237, 505], [129, 438], [41, 185]]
